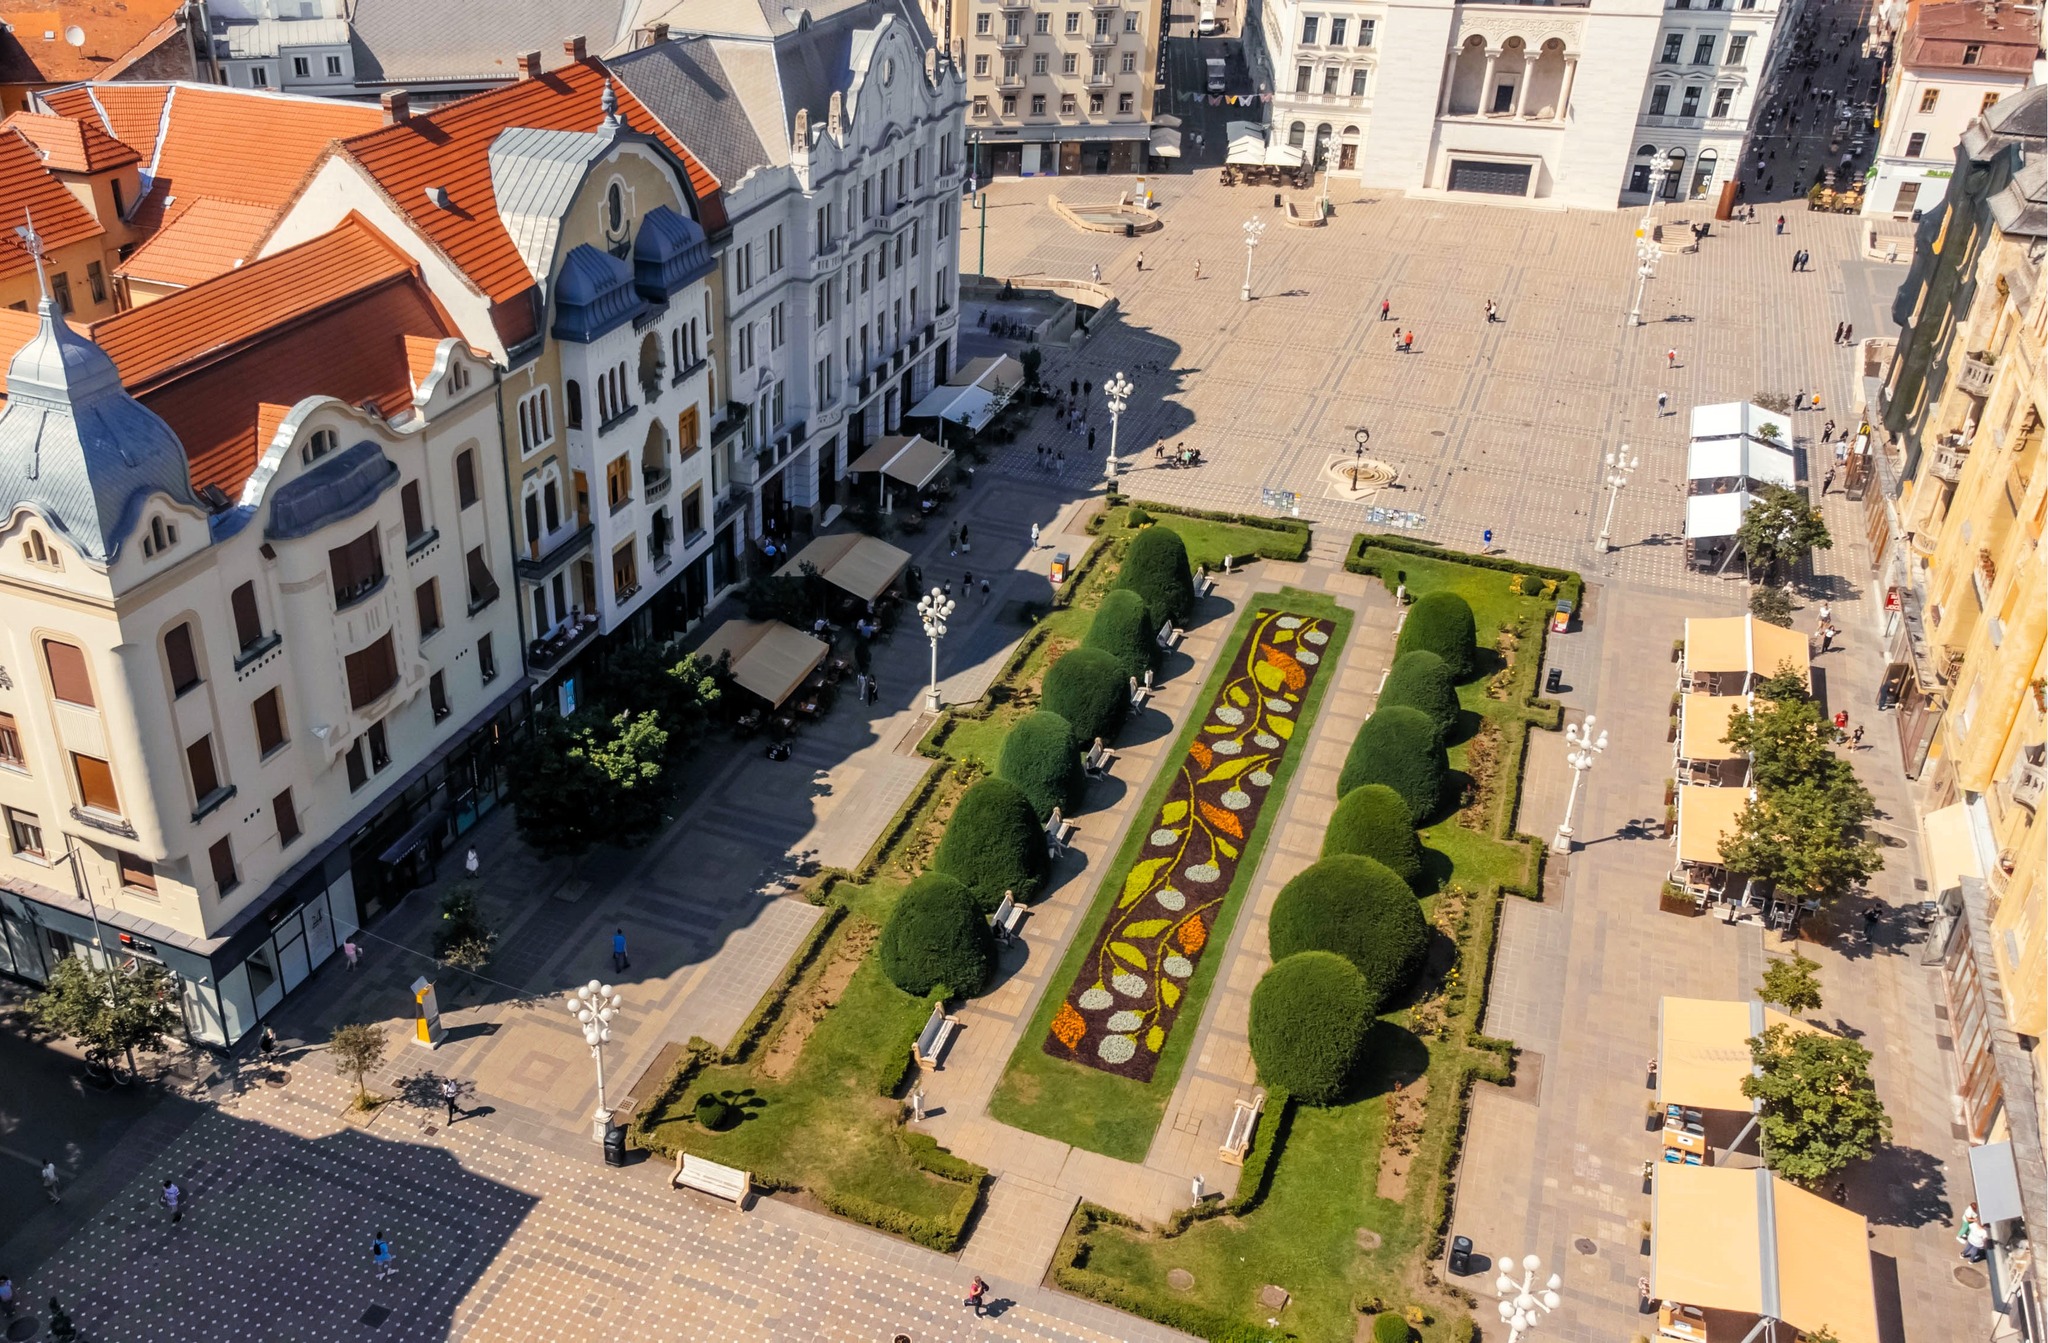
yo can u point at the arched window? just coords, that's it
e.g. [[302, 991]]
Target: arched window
[[573, 395], [1297, 134], [318, 444]]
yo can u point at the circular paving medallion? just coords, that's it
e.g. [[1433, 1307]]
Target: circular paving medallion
[[1584, 1246], [1360, 476], [1972, 1278], [1180, 1280]]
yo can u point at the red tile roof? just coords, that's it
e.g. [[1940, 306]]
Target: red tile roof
[[117, 32], [189, 245], [449, 147], [27, 190], [71, 146], [131, 113], [1939, 36]]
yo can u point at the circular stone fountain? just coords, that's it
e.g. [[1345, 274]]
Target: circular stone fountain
[[1359, 477]]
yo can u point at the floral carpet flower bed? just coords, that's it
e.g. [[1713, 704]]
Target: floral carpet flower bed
[[1130, 989]]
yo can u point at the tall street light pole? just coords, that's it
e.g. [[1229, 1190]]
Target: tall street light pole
[[1253, 228], [1646, 244], [1619, 467], [933, 608], [1522, 1308], [978, 197], [1117, 392], [595, 1005], [1584, 751]]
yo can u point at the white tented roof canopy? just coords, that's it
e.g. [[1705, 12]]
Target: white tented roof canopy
[[976, 391], [768, 657], [1165, 142], [1739, 419], [1247, 142], [1745, 458], [913, 461], [855, 564], [1710, 517]]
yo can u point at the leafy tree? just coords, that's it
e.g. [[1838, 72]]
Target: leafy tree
[[585, 778], [657, 677], [462, 938], [1031, 359], [1806, 838], [1780, 528], [788, 598], [1785, 683], [938, 936], [1793, 985], [1442, 623], [1819, 1108], [1787, 740], [1771, 604], [357, 1049], [111, 1011]]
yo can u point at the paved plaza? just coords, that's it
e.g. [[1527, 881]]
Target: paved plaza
[[506, 1226]]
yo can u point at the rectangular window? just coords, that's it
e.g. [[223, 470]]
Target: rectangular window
[[1674, 46], [1723, 100], [95, 783], [334, 67], [465, 477], [437, 695], [69, 681], [357, 567], [1102, 26], [1308, 30], [1074, 22], [1990, 101], [483, 588], [536, 421], [287, 817], [1691, 106], [1130, 62], [380, 748], [269, 710], [60, 289], [693, 512], [1130, 23], [1358, 83], [1126, 102], [1041, 23], [625, 573], [1330, 79], [982, 25], [1660, 96], [1041, 62], [981, 64], [199, 763], [775, 249], [1100, 65], [1302, 75], [96, 279], [1366, 29], [358, 765], [426, 602], [1703, 50], [371, 672], [1070, 63], [1738, 48], [1337, 32], [137, 874], [302, 68], [25, 833], [222, 858], [1066, 110], [1972, 53], [1037, 104], [178, 653], [1915, 142], [248, 624], [10, 743], [618, 483], [1095, 103]]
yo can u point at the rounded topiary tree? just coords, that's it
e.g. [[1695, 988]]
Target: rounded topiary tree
[[994, 843], [1156, 568], [1042, 758], [1388, 1327], [1088, 689], [1309, 1018], [712, 1112], [935, 936], [1375, 822], [1123, 630], [1420, 680], [1359, 909], [1399, 747], [1441, 623]]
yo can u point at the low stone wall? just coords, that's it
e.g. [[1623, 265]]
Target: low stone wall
[[1314, 219], [1064, 325], [1136, 217]]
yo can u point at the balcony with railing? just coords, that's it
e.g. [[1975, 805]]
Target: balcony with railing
[[1976, 372], [545, 554], [561, 643], [1947, 464]]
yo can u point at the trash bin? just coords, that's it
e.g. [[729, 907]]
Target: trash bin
[[615, 1145], [1276, 200], [1060, 564], [1130, 232], [1461, 1255]]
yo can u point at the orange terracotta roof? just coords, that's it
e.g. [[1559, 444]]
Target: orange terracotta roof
[[131, 113], [449, 147], [71, 146], [194, 238], [117, 32], [28, 190]]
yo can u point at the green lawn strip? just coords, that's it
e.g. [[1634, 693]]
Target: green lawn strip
[[1088, 1107], [1209, 540]]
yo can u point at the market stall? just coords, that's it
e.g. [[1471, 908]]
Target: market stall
[[860, 566], [1725, 654], [1706, 814], [1702, 1057], [914, 461], [1704, 755], [767, 657]]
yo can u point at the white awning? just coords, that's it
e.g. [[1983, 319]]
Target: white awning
[[971, 406], [1739, 419], [1739, 458], [1165, 142], [1247, 142], [1712, 516]]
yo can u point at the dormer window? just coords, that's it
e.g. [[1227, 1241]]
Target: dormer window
[[162, 536], [319, 444], [37, 552]]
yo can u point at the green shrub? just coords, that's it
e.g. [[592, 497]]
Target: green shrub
[[713, 1113], [1441, 623], [936, 936], [1420, 680], [1156, 568], [1137, 517], [1123, 629], [1359, 909], [1375, 822], [993, 844], [1399, 747], [1389, 1327], [1042, 758], [1089, 690], [1309, 1019]]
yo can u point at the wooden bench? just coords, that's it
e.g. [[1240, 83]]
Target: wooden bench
[[1138, 693], [1244, 1121], [931, 1041], [1096, 763], [1168, 636], [1007, 916], [1055, 834], [1204, 585], [694, 1172]]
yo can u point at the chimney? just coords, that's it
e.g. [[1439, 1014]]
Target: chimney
[[576, 48], [661, 32], [529, 65], [397, 107]]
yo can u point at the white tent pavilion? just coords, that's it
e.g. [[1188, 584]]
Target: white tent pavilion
[[1715, 517], [1739, 419], [974, 394], [1746, 459]]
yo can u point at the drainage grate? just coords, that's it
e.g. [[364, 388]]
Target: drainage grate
[[1585, 1246], [376, 1315]]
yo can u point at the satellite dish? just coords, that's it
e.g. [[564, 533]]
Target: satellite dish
[[75, 35]]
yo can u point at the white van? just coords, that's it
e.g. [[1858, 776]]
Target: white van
[[1215, 74], [1207, 25]]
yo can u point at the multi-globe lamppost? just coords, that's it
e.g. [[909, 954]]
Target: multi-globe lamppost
[[1522, 1307], [1619, 467], [1584, 751], [933, 608], [595, 1005], [1117, 394], [1253, 229]]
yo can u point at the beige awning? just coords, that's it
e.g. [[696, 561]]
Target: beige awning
[[768, 657], [853, 563], [1748, 1242], [1744, 644], [1951, 852], [1705, 814], [991, 371], [1705, 731], [911, 461], [1703, 1051]]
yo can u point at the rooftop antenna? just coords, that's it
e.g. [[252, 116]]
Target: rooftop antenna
[[33, 242], [75, 35]]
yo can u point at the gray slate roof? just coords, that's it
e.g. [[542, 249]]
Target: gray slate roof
[[687, 85], [534, 176], [404, 40], [77, 450]]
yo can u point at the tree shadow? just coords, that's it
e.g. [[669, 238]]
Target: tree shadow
[[1436, 873], [1903, 1186], [1465, 729], [1394, 1057]]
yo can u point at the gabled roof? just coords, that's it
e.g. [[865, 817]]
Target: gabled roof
[[71, 146], [131, 113], [27, 190], [450, 148], [1938, 36], [190, 243], [459, 41], [116, 32]]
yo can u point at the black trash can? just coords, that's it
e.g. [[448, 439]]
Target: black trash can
[[1130, 231], [1276, 200], [615, 1145]]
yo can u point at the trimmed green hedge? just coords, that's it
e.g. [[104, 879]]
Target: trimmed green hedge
[[993, 844], [942, 1233], [1041, 756], [1389, 1327], [1290, 539], [1089, 690], [1420, 680], [1121, 630], [1391, 547], [936, 936], [1156, 568], [1309, 1018], [1376, 822], [1399, 747], [1070, 1272], [1359, 909], [1442, 623]]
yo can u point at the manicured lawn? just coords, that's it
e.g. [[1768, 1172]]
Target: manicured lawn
[[1207, 540], [1086, 1106]]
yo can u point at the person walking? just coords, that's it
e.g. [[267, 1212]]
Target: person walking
[[1827, 482], [1141, 261], [50, 1181], [171, 1197], [1198, 268], [1856, 738], [1816, 403], [619, 961], [874, 688], [1408, 343], [266, 1044], [1091, 438], [450, 1090], [1849, 333], [1397, 340], [1838, 332], [1095, 272], [380, 1255], [1492, 311], [984, 592], [1087, 390], [1827, 637], [351, 952], [1671, 358], [7, 1296], [1781, 218], [966, 546], [1034, 536], [967, 582], [976, 1291], [1386, 307], [469, 861], [1073, 388], [1663, 400]]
